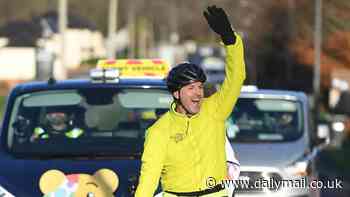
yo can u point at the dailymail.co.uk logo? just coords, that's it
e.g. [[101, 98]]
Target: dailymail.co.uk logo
[[244, 178]]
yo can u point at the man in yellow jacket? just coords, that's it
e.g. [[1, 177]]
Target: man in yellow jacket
[[186, 146]]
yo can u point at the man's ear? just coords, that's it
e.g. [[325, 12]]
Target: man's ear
[[176, 94]]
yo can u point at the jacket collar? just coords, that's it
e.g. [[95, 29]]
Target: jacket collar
[[176, 114]]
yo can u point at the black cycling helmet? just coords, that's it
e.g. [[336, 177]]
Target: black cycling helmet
[[184, 74]]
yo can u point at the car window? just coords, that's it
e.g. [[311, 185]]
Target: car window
[[52, 98], [93, 121], [265, 120]]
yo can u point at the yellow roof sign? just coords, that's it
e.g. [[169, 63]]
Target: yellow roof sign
[[136, 68]]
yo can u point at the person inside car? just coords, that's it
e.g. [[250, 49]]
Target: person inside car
[[57, 124]]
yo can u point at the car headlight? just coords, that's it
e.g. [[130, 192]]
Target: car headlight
[[299, 168]]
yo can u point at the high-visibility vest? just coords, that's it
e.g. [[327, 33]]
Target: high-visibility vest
[[73, 133]]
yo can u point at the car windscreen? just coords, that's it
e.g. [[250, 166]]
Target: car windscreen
[[265, 120], [90, 121]]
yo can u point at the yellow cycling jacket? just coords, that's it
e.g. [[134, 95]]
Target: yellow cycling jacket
[[185, 151]]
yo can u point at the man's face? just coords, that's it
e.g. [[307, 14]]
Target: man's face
[[190, 97], [57, 120]]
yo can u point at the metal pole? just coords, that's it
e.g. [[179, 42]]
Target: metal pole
[[142, 37], [62, 30], [112, 27], [317, 61], [132, 30], [291, 34]]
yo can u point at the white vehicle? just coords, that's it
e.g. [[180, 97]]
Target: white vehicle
[[271, 132]]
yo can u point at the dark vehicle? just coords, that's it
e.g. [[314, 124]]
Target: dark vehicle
[[77, 137]]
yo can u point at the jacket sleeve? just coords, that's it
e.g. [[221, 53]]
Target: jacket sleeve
[[152, 162], [225, 98]]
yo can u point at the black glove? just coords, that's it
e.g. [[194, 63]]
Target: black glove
[[219, 23]]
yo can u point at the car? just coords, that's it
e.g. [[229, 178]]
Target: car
[[82, 136], [273, 135]]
